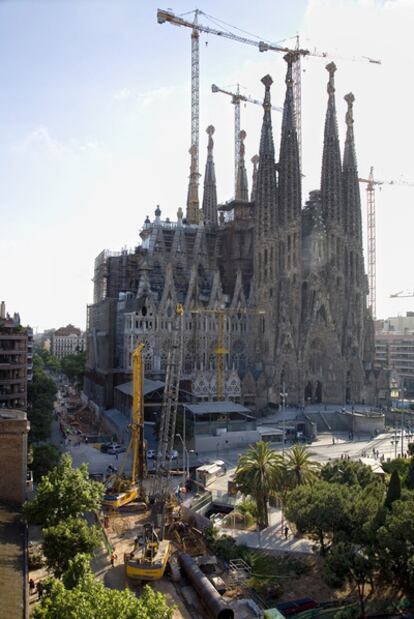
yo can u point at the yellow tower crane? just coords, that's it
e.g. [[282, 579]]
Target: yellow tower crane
[[120, 489], [220, 350]]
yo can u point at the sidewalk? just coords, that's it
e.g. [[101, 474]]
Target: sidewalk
[[272, 538]]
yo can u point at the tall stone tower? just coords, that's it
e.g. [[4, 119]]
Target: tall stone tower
[[266, 262], [289, 226]]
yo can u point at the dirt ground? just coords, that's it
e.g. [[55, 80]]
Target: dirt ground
[[310, 585], [122, 532]]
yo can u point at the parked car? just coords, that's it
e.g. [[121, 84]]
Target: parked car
[[115, 449], [105, 447], [296, 606], [151, 454]]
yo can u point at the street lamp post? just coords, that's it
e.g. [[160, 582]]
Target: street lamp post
[[283, 395]]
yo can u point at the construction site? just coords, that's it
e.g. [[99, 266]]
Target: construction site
[[239, 322], [233, 311]]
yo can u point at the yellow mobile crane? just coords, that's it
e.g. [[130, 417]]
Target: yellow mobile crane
[[121, 490]]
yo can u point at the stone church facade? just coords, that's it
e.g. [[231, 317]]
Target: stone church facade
[[290, 277]]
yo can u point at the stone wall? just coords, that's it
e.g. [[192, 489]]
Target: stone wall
[[14, 428]]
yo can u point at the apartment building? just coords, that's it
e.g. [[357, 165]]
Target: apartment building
[[394, 349], [66, 341], [16, 364]]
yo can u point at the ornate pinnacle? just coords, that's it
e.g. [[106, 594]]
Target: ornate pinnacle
[[210, 132], [242, 136], [349, 117], [331, 68], [267, 81], [290, 58], [255, 160]]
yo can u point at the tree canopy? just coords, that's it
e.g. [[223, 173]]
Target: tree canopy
[[63, 541], [41, 395], [64, 492], [320, 510], [74, 367], [349, 563], [90, 599], [256, 474], [299, 466], [44, 458], [348, 472]]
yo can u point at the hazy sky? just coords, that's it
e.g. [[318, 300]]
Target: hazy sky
[[95, 127]]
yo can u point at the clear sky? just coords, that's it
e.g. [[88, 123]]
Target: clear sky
[[95, 127]]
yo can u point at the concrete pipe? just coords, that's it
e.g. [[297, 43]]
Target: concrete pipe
[[210, 598]]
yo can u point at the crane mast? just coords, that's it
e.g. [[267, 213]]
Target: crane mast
[[297, 97], [195, 94], [171, 390], [236, 98], [170, 17], [137, 422], [372, 246], [372, 236]]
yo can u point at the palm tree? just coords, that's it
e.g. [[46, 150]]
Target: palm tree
[[299, 466], [255, 476]]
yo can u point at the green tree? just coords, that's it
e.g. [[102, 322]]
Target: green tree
[[78, 568], [44, 458], [74, 367], [63, 541], [41, 395], [255, 475], [348, 472], [92, 600], [321, 510], [299, 466], [409, 480], [349, 563], [63, 493], [394, 489], [395, 543]]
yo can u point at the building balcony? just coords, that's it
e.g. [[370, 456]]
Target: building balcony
[[13, 381], [11, 365], [13, 396]]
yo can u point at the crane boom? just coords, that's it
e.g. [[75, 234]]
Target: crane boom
[[402, 295], [169, 16]]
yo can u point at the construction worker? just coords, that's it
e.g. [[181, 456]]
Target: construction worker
[[113, 557], [32, 586]]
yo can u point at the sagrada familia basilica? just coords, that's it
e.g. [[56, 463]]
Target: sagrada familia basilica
[[289, 275]]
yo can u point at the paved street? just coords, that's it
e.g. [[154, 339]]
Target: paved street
[[324, 450]]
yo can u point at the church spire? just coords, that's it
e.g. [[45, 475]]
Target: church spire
[[210, 191], [242, 189], [266, 189], [289, 166], [352, 200], [331, 190], [193, 203], [255, 162]]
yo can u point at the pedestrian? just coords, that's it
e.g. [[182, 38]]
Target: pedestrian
[[86, 440], [116, 455], [31, 586], [113, 557], [40, 588], [286, 532]]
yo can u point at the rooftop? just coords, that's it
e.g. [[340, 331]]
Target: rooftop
[[149, 386], [218, 408]]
